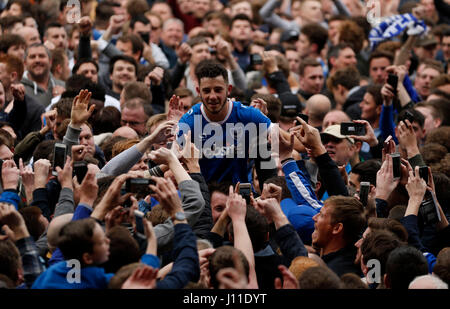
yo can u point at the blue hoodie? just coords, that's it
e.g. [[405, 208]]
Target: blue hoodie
[[58, 277]]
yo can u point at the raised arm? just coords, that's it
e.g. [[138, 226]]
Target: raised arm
[[237, 209]]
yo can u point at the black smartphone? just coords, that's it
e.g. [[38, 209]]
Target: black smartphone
[[393, 81], [386, 144], [80, 169], [408, 115], [428, 209], [352, 128], [139, 219], [139, 186], [255, 59], [245, 190], [423, 172], [302, 116], [212, 51], [59, 156], [364, 189], [396, 165]]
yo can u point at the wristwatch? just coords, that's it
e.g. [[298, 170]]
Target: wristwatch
[[179, 216]]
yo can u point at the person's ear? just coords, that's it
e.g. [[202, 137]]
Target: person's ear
[[229, 88], [340, 89], [378, 109], [386, 281], [20, 276], [59, 68], [314, 48], [338, 228], [357, 146], [14, 76], [197, 89], [333, 61], [87, 258], [364, 268]]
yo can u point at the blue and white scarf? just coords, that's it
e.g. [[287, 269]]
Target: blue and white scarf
[[395, 25]]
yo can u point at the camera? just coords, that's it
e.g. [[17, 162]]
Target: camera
[[255, 59], [139, 186], [351, 128]]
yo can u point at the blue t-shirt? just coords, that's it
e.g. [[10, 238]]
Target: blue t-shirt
[[225, 146]]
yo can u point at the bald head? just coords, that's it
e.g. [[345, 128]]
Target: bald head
[[53, 230], [317, 107], [428, 282], [30, 35], [334, 117], [126, 132]]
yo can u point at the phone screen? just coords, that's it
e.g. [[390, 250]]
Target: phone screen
[[59, 157], [396, 165], [139, 218], [364, 192]]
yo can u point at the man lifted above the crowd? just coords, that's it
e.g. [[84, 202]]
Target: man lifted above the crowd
[[226, 128]]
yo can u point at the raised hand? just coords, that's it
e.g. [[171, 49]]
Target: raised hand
[[369, 137], [167, 195], [271, 190], [176, 110], [162, 156], [88, 189], [416, 186], [143, 277], [269, 62], [112, 197], [18, 91], [65, 175], [163, 132], [10, 175], [385, 179], [12, 222], [289, 280], [156, 76], [309, 137], [236, 206], [27, 175], [85, 24], [184, 52], [260, 104], [407, 138], [387, 92], [80, 109], [42, 168]]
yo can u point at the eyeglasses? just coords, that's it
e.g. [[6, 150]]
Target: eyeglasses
[[155, 28], [131, 123]]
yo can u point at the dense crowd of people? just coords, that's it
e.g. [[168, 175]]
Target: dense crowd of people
[[215, 144]]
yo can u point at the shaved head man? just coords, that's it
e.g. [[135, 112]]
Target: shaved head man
[[334, 117], [30, 35], [317, 107]]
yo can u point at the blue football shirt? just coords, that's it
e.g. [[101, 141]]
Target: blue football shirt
[[226, 146]]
